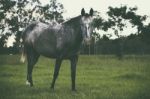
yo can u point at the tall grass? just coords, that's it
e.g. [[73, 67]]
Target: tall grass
[[98, 77]]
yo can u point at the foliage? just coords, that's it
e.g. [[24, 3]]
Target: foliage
[[132, 44], [145, 34], [53, 10], [118, 18]]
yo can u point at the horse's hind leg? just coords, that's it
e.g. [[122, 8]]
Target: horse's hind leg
[[32, 58]]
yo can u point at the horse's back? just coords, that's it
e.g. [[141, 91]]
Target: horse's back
[[33, 31]]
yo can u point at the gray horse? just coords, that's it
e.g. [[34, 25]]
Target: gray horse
[[59, 41]]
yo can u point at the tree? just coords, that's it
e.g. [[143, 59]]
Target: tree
[[52, 11], [145, 34], [118, 18]]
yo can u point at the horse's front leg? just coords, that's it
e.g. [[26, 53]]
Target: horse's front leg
[[56, 72], [74, 61]]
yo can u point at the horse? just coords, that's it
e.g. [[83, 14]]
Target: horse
[[58, 41]]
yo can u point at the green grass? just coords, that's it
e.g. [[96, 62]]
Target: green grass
[[98, 77]]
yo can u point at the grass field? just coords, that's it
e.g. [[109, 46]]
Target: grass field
[[98, 77]]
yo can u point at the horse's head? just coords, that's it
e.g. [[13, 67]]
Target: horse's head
[[86, 25]]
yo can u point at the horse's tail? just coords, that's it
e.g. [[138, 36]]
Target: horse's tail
[[23, 55], [30, 27], [23, 52]]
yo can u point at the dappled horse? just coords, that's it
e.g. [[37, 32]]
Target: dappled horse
[[59, 41]]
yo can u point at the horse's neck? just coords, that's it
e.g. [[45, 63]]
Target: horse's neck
[[73, 30], [72, 35], [76, 28]]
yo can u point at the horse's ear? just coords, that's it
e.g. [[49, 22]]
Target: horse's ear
[[91, 12], [82, 12]]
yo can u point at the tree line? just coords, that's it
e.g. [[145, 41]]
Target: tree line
[[118, 20], [15, 15]]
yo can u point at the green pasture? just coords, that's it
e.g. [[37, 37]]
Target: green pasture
[[98, 77]]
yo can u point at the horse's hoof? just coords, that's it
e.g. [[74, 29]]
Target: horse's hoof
[[74, 90], [52, 90], [28, 83]]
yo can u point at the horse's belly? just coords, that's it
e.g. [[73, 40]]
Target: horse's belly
[[45, 49]]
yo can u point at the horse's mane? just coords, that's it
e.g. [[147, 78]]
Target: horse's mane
[[73, 20]]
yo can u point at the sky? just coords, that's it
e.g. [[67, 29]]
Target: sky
[[73, 8]]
